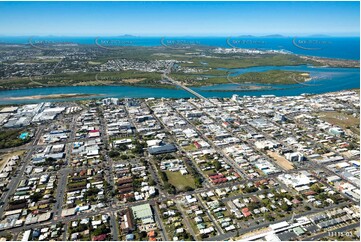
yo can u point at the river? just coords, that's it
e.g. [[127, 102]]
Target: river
[[325, 79]]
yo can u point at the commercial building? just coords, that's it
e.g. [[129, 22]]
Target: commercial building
[[156, 150], [144, 213]]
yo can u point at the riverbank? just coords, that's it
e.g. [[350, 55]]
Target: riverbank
[[336, 83], [53, 96]]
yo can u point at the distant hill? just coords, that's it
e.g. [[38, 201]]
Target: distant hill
[[274, 36]]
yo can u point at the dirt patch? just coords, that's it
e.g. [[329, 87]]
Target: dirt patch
[[6, 156], [131, 81], [55, 96], [345, 121], [281, 161]]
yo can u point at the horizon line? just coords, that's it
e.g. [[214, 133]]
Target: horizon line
[[183, 35]]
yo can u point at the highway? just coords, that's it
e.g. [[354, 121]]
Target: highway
[[166, 76]]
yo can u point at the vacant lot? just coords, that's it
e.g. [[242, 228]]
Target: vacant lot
[[6, 156], [280, 160], [180, 181], [342, 120]]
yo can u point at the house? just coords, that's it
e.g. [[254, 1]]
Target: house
[[190, 199], [101, 237], [246, 213], [127, 223]]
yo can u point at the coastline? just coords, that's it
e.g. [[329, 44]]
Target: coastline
[[112, 85], [52, 96]]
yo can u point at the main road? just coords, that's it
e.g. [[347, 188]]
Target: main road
[[15, 180], [165, 76]]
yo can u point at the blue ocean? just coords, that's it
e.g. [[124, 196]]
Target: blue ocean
[[329, 47]]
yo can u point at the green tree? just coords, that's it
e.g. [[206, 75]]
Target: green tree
[[269, 217], [151, 182], [102, 229], [35, 197], [163, 176], [91, 191], [217, 165], [138, 147], [188, 188], [143, 234], [113, 153], [122, 147], [285, 207]]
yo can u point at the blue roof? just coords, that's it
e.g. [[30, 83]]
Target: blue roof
[[24, 135], [129, 236]]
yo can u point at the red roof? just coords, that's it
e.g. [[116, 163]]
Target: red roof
[[196, 144], [246, 212], [100, 237], [310, 193], [220, 180], [217, 176], [151, 235]]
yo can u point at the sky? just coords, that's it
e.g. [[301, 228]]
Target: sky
[[179, 18]]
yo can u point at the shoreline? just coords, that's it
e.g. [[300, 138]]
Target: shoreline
[[120, 85], [52, 96], [36, 98]]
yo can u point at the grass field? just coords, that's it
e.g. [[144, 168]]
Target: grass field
[[129, 78], [180, 181], [210, 172], [190, 147], [267, 77], [273, 77]]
